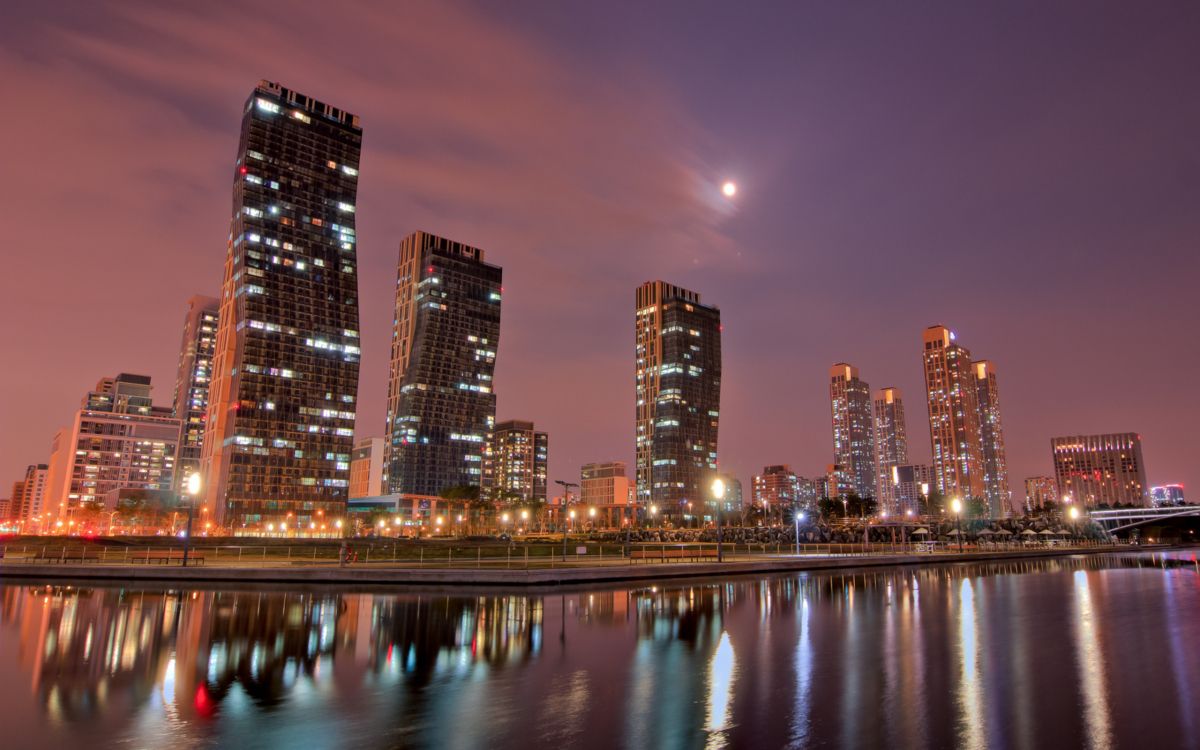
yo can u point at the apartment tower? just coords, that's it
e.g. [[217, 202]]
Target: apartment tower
[[192, 379], [891, 446], [953, 415], [677, 377], [280, 425], [440, 404], [991, 440], [853, 432]]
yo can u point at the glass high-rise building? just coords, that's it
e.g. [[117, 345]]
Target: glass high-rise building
[[192, 380], [285, 371], [891, 446], [953, 415], [441, 407], [853, 431], [677, 379], [991, 441]]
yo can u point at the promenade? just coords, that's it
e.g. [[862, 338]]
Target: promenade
[[512, 571]]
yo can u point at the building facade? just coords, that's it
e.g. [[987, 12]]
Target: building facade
[[775, 488], [953, 415], [1167, 494], [853, 431], [280, 424], [891, 445], [192, 379], [1100, 469], [677, 377], [1039, 491], [441, 407], [912, 483], [366, 468], [991, 441], [608, 488], [117, 440], [518, 457], [29, 503]]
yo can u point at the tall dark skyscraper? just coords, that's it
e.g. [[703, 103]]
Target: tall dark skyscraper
[[192, 381], [991, 441], [441, 408], [285, 375], [678, 388], [853, 431]]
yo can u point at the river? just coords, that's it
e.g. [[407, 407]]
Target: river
[[1097, 652]]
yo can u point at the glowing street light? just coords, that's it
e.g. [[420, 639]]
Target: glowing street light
[[718, 493], [956, 506], [193, 491]]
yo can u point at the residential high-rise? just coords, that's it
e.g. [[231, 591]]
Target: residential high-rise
[[118, 440], [1039, 491], [953, 415], [1167, 494], [911, 483], [775, 488], [280, 425], [733, 496], [441, 407], [517, 458], [30, 501], [192, 380], [991, 440], [366, 468], [891, 445], [1100, 469], [853, 431], [809, 492], [677, 378]]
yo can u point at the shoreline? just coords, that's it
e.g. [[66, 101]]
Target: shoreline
[[399, 576]]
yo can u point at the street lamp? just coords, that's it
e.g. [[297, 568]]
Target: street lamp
[[718, 493], [193, 489], [1074, 514], [797, 517], [956, 506]]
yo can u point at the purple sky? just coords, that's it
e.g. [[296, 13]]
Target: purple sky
[[1028, 175]]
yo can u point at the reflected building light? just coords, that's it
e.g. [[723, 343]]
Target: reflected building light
[[721, 670], [1090, 658], [971, 719]]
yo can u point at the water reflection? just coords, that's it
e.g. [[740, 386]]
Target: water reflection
[[1006, 654]]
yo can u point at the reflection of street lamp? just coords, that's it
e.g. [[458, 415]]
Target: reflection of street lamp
[[718, 492], [956, 506], [193, 489]]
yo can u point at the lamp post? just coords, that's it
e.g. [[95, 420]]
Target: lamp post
[[1074, 514], [718, 493], [193, 489], [797, 517], [956, 506]]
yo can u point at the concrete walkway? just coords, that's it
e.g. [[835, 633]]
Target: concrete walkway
[[384, 574]]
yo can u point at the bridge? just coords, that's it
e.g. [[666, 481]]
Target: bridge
[[1128, 518]]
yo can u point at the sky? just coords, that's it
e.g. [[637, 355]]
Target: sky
[[1027, 173]]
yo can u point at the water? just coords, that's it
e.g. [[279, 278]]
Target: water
[[1093, 652]]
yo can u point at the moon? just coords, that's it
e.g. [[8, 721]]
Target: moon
[[729, 189]]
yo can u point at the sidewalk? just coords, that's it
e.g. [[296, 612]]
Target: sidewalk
[[490, 574]]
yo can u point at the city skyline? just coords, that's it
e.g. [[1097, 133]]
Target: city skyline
[[767, 417]]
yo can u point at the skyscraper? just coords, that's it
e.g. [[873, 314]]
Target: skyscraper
[[441, 407], [518, 457], [677, 378], [30, 502], [991, 440], [891, 445], [118, 440], [366, 468], [285, 371], [953, 415], [853, 432], [192, 379], [1100, 469]]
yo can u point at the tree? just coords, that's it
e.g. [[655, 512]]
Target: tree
[[830, 508], [934, 504]]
